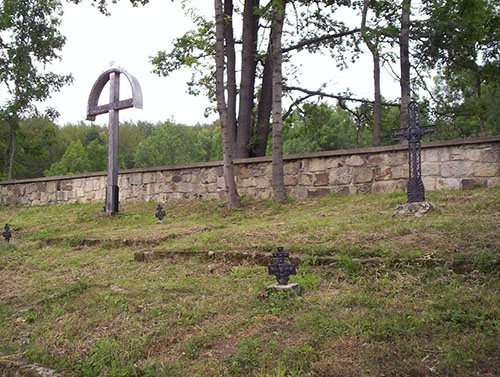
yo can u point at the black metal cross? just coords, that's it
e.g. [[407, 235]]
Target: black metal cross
[[160, 213], [414, 133], [282, 269], [6, 233]]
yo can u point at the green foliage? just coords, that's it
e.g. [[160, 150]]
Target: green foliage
[[319, 128], [173, 144], [75, 160]]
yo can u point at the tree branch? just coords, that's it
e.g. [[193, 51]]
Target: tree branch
[[335, 96], [312, 41]]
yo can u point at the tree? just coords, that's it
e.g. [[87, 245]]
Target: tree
[[75, 160], [462, 39], [227, 122], [404, 61], [30, 40], [277, 92]]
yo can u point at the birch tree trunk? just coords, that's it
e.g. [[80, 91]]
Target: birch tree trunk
[[227, 131], [404, 57], [277, 79]]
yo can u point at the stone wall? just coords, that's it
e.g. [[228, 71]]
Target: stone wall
[[461, 164]]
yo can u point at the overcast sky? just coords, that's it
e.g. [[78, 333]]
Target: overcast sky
[[130, 36]]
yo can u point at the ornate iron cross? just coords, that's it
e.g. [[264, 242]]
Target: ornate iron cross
[[414, 133], [282, 269], [113, 107]]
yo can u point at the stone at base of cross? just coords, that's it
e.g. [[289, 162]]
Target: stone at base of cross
[[290, 287]]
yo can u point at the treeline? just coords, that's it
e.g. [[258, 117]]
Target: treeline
[[45, 149]]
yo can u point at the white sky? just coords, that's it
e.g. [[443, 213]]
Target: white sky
[[131, 35]]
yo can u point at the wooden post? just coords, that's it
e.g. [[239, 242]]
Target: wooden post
[[112, 179]]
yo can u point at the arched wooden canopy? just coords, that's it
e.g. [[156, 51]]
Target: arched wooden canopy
[[136, 101]]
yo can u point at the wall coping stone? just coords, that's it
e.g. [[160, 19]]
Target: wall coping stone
[[290, 157]]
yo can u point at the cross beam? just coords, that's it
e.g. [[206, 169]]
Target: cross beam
[[414, 133]]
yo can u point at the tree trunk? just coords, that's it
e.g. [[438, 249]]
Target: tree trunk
[[247, 81], [276, 56], [261, 130], [12, 149], [481, 117], [404, 62], [230, 54], [227, 131], [377, 106]]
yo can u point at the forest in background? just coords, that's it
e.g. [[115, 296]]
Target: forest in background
[[46, 149]]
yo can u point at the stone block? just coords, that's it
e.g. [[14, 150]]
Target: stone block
[[244, 172], [362, 175], [318, 191], [340, 176], [444, 154], [148, 178], [336, 162], [376, 160], [389, 186], [290, 180], [305, 179], [247, 182], [397, 158], [363, 188], [457, 169], [493, 182], [429, 183], [343, 190], [51, 187], [135, 179], [320, 179], [186, 177], [490, 154], [354, 160], [430, 155], [291, 168], [457, 153], [473, 155], [209, 176], [400, 172], [486, 169], [220, 182], [447, 184], [297, 192], [383, 174], [263, 183], [67, 185], [317, 164], [263, 194], [430, 169], [470, 184]]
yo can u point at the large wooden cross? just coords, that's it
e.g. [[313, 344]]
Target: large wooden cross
[[414, 133], [112, 108]]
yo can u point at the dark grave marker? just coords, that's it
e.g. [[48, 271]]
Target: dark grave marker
[[7, 233], [414, 133], [112, 108], [282, 269], [160, 213]]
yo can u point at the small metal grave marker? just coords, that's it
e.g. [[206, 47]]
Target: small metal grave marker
[[414, 133], [282, 269], [113, 107], [160, 213], [7, 233]]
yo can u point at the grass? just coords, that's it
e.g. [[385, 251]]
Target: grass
[[406, 296]]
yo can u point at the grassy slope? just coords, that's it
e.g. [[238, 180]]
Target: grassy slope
[[89, 309]]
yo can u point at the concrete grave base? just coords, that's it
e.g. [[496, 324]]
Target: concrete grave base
[[291, 287], [416, 209]]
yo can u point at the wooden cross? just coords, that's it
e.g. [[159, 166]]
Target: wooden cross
[[112, 108], [282, 269], [414, 133]]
